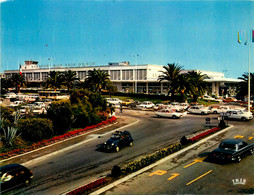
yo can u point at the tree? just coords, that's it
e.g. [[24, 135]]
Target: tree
[[5, 84], [197, 84], [242, 88], [54, 80], [98, 80], [171, 74], [69, 78], [18, 80]]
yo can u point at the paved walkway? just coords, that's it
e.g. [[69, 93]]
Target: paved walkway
[[122, 121]]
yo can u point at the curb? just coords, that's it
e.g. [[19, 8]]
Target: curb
[[157, 163]]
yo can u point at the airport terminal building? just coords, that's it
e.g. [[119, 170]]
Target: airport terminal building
[[126, 77]]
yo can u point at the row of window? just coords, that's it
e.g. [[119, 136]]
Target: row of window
[[114, 75]]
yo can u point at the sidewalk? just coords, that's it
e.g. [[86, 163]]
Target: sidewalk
[[23, 158]]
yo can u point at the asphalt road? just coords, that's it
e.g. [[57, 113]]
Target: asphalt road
[[67, 170], [192, 173]]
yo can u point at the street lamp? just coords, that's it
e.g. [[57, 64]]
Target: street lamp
[[246, 43], [136, 72]]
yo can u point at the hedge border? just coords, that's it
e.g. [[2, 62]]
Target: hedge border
[[40, 144]]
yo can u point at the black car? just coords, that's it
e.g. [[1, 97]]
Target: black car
[[118, 140], [14, 175], [231, 150]]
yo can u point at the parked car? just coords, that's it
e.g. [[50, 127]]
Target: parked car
[[231, 150], [114, 101], [10, 95], [184, 105], [118, 140], [25, 109], [39, 104], [176, 106], [13, 176], [207, 97], [230, 99], [199, 110], [127, 102], [238, 115], [16, 103], [38, 110], [169, 113], [220, 109], [146, 104]]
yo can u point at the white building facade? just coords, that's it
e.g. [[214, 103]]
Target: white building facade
[[128, 78]]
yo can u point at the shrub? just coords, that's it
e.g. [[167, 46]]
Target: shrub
[[6, 113], [61, 115], [35, 129], [81, 116]]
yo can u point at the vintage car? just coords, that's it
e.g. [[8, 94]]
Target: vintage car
[[199, 110], [127, 102], [231, 150], [146, 104], [114, 101], [237, 115], [13, 176], [118, 140], [169, 113], [220, 109]]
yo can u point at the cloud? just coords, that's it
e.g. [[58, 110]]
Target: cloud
[[2, 1]]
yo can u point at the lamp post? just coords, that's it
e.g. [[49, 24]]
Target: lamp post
[[136, 72], [246, 43]]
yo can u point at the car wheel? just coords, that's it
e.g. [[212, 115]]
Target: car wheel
[[131, 144], [202, 113], [214, 112], [117, 149], [251, 151], [238, 159], [27, 182], [174, 116], [243, 119]]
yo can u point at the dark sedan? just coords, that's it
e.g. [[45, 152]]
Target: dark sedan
[[118, 140], [231, 150], [14, 175]]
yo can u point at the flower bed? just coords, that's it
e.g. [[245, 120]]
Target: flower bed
[[204, 134], [56, 139], [85, 189]]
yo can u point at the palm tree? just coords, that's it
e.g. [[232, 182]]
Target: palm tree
[[17, 80], [171, 73], [197, 84], [69, 78], [54, 80], [98, 80], [183, 86], [242, 88]]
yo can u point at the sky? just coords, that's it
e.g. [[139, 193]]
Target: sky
[[194, 34]]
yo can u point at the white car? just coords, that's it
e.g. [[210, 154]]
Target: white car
[[207, 97], [176, 106], [199, 110], [220, 109], [39, 104], [16, 103], [185, 106], [10, 95], [146, 104], [25, 109], [37, 110], [169, 113], [238, 114], [114, 101]]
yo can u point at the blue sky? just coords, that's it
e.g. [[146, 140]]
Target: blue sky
[[195, 34]]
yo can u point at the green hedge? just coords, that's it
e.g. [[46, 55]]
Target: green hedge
[[35, 129]]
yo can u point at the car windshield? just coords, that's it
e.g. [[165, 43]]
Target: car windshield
[[227, 146]]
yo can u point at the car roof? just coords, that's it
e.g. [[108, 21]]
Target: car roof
[[231, 141], [10, 167]]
